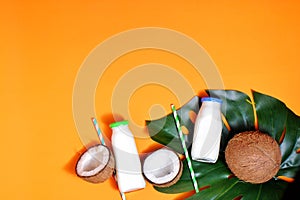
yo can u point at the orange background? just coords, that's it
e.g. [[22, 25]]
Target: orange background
[[255, 45]]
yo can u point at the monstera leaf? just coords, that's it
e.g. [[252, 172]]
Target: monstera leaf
[[216, 181]]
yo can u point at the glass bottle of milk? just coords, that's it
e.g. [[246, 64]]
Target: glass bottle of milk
[[128, 164], [207, 131]]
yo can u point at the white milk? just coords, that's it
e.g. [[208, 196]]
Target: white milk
[[128, 164], [207, 131]]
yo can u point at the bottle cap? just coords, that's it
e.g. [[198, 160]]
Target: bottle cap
[[211, 99], [120, 123]]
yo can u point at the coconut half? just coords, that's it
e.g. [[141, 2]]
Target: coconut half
[[96, 164], [162, 168]]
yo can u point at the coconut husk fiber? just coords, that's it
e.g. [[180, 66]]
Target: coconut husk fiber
[[253, 156]]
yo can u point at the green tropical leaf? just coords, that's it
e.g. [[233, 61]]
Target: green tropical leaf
[[233, 188], [271, 114], [215, 180]]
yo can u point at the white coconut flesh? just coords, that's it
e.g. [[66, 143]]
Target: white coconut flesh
[[94, 162], [162, 166]]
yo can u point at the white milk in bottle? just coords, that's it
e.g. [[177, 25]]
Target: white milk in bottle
[[207, 131], [128, 164]]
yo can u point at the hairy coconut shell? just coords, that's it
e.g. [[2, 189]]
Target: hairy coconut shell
[[92, 167], [253, 156]]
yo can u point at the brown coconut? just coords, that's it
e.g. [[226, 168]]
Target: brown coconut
[[96, 164], [253, 156], [162, 168]]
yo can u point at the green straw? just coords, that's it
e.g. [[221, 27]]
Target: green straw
[[100, 135], [184, 148]]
